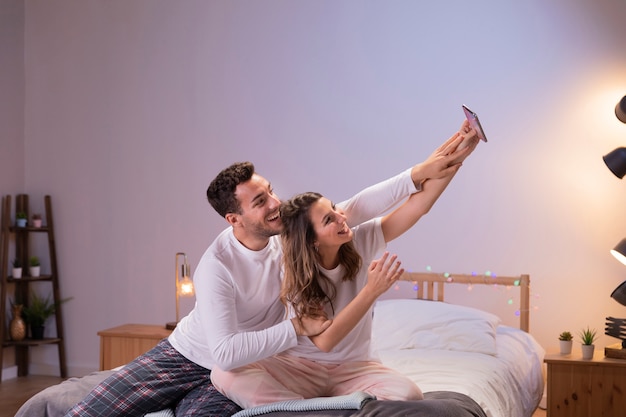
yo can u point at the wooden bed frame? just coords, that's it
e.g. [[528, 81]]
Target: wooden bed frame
[[430, 286]]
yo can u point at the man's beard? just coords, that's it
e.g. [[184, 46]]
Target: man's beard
[[263, 231]]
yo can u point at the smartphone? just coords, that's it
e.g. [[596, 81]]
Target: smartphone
[[475, 123]]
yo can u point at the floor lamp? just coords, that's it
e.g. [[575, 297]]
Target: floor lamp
[[616, 162]]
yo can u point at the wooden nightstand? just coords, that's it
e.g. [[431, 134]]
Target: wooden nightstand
[[584, 388], [122, 344]]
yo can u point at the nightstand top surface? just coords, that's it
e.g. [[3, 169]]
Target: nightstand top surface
[[577, 358], [150, 331]]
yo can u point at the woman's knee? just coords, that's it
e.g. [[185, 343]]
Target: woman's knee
[[399, 392]]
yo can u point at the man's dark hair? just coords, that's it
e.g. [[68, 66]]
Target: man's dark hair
[[221, 191]]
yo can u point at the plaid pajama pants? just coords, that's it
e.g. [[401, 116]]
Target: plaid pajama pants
[[160, 378]]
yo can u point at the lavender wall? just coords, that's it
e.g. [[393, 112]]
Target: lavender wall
[[132, 107]]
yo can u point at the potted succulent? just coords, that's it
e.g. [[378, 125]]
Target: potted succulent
[[587, 337], [34, 266], [38, 311], [37, 220], [21, 219], [565, 343], [17, 268]]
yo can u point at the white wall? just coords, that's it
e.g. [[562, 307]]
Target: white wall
[[131, 108]]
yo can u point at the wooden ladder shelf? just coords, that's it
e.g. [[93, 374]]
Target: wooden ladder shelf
[[20, 290]]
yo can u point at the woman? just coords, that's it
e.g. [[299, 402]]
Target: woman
[[324, 275]]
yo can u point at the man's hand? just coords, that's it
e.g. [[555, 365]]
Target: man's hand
[[311, 325]]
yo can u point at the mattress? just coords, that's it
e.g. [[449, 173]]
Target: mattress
[[508, 384]]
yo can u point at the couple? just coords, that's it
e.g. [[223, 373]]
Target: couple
[[239, 318]]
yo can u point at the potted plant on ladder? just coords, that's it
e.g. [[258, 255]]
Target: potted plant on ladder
[[20, 219], [37, 220], [17, 268], [34, 266], [38, 310]]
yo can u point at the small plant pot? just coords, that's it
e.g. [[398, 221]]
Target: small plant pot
[[20, 222], [17, 273], [36, 222], [34, 271], [565, 347], [36, 332], [587, 351]]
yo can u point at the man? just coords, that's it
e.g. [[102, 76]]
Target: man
[[238, 317]]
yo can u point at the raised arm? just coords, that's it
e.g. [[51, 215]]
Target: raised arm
[[377, 199], [382, 274], [417, 205]]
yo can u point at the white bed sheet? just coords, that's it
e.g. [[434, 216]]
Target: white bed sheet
[[509, 384]]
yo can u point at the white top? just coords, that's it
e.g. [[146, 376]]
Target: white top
[[238, 317], [369, 242]]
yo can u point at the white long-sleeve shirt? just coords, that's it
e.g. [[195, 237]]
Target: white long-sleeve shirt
[[238, 317]]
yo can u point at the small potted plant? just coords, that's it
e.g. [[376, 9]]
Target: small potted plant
[[34, 266], [38, 310], [565, 343], [17, 268], [37, 220], [587, 337], [21, 219]]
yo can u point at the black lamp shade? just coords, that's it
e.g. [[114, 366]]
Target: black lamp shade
[[620, 110], [616, 161], [619, 294], [619, 251]]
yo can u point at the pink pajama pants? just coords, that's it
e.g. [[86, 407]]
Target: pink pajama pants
[[284, 377]]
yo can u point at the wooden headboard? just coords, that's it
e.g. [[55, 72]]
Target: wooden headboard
[[430, 286]]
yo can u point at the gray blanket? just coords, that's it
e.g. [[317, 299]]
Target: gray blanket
[[57, 399], [54, 401]]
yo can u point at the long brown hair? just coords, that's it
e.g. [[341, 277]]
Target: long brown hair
[[305, 287]]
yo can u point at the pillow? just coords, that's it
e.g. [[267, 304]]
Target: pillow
[[424, 324]]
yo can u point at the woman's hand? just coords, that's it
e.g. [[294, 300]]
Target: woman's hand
[[383, 273], [446, 159]]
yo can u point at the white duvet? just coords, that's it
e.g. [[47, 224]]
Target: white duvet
[[506, 382]]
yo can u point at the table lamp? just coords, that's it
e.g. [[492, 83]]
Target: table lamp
[[184, 287]]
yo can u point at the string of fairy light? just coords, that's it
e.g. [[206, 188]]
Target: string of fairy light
[[486, 275]]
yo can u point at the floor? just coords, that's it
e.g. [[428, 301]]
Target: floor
[[15, 392]]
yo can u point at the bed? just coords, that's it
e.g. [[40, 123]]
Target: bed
[[465, 361]]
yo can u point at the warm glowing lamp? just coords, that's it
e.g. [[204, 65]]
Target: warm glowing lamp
[[619, 251], [184, 287]]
